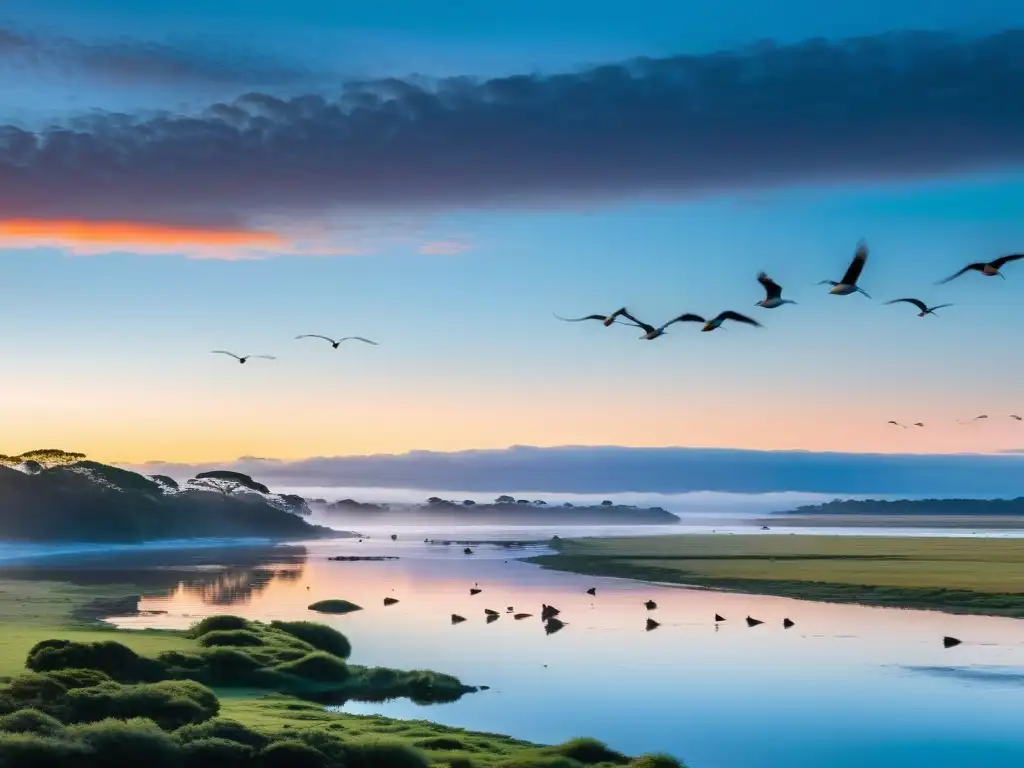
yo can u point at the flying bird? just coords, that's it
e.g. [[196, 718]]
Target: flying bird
[[1015, 416], [989, 269], [976, 418], [721, 317], [336, 342], [606, 319], [773, 293], [918, 424], [848, 284], [241, 359], [896, 423], [925, 309], [651, 333]]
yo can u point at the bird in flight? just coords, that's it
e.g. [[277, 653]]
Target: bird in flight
[[336, 342], [976, 418], [650, 332], [1015, 416], [925, 309], [721, 317], [918, 424], [773, 293], [606, 319], [989, 269], [896, 423], [241, 359], [848, 284]]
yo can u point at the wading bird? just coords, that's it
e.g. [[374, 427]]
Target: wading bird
[[336, 342], [651, 333], [606, 319], [925, 309], [773, 293], [989, 269], [241, 359], [848, 284]]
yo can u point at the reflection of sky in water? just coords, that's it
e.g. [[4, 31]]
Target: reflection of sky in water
[[842, 688]]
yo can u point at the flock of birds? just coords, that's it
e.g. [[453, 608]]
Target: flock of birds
[[333, 342], [773, 297]]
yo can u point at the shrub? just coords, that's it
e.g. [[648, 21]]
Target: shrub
[[31, 690], [31, 721], [657, 760], [116, 660], [320, 636], [228, 666], [376, 755], [588, 751], [291, 754], [222, 730], [217, 753], [170, 704], [334, 606], [230, 637], [29, 750], [221, 623], [444, 743], [79, 678], [317, 666], [128, 744]]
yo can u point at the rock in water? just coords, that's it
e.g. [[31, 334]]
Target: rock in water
[[592, 591], [489, 612], [492, 617], [787, 623], [456, 619], [949, 642], [520, 616], [753, 622], [652, 624], [650, 605], [553, 625], [389, 601], [719, 618], [474, 591]]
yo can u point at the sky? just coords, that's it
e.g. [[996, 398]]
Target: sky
[[441, 177]]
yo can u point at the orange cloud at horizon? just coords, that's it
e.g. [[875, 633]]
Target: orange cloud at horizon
[[86, 238]]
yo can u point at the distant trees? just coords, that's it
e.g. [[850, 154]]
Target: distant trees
[[567, 504], [226, 482], [433, 500], [607, 503], [468, 503], [43, 458], [540, 503], [522, 501], [504, 500]]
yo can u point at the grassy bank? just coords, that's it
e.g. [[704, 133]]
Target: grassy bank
[[957, 575], [228, 692]]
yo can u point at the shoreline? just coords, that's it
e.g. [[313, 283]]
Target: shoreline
[[756, 565], [967, 523]]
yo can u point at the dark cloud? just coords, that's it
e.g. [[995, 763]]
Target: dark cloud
[[888, 107], [128, 61], [643, 470]]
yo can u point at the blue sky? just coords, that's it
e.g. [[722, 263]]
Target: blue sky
[[108, 339]]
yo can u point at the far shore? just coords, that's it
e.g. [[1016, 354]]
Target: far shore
[[969, 575], [966, 522]]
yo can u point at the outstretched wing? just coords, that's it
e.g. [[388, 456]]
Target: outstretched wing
[[264, 357], [314, 336], [730, 315], [979, 266], [998, 263], [857, 265], [357, 338], [225, 352], [771, 288], [639, 324], [916, 302], [940, 306], [686, 317], [580, 319]]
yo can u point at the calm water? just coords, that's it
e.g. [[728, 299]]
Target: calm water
[[847, 686]]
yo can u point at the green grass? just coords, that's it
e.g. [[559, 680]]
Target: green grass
[[957, 575], [31, 611]]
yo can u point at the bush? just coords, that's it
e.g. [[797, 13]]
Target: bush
[[320, 636], [29, 750], [128, 744], [657, 760], [34, 691], [222, 730], [334, 606], [444, 743], [228, 666], [291, 754], [31, 721], [170, 704], [383, 754], [222, 623], [116, 660], [217, 753], [588, 751], [317, 666], [79, 678], [230, 637]]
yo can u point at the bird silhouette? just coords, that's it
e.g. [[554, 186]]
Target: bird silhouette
[[773, 293], [651, 333], [925, 309], [848, 284], [989, 269], [976, 418], [1015, 416], [721, 317], [240, 358], [606, 319], [896, 423], [336, 342]]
